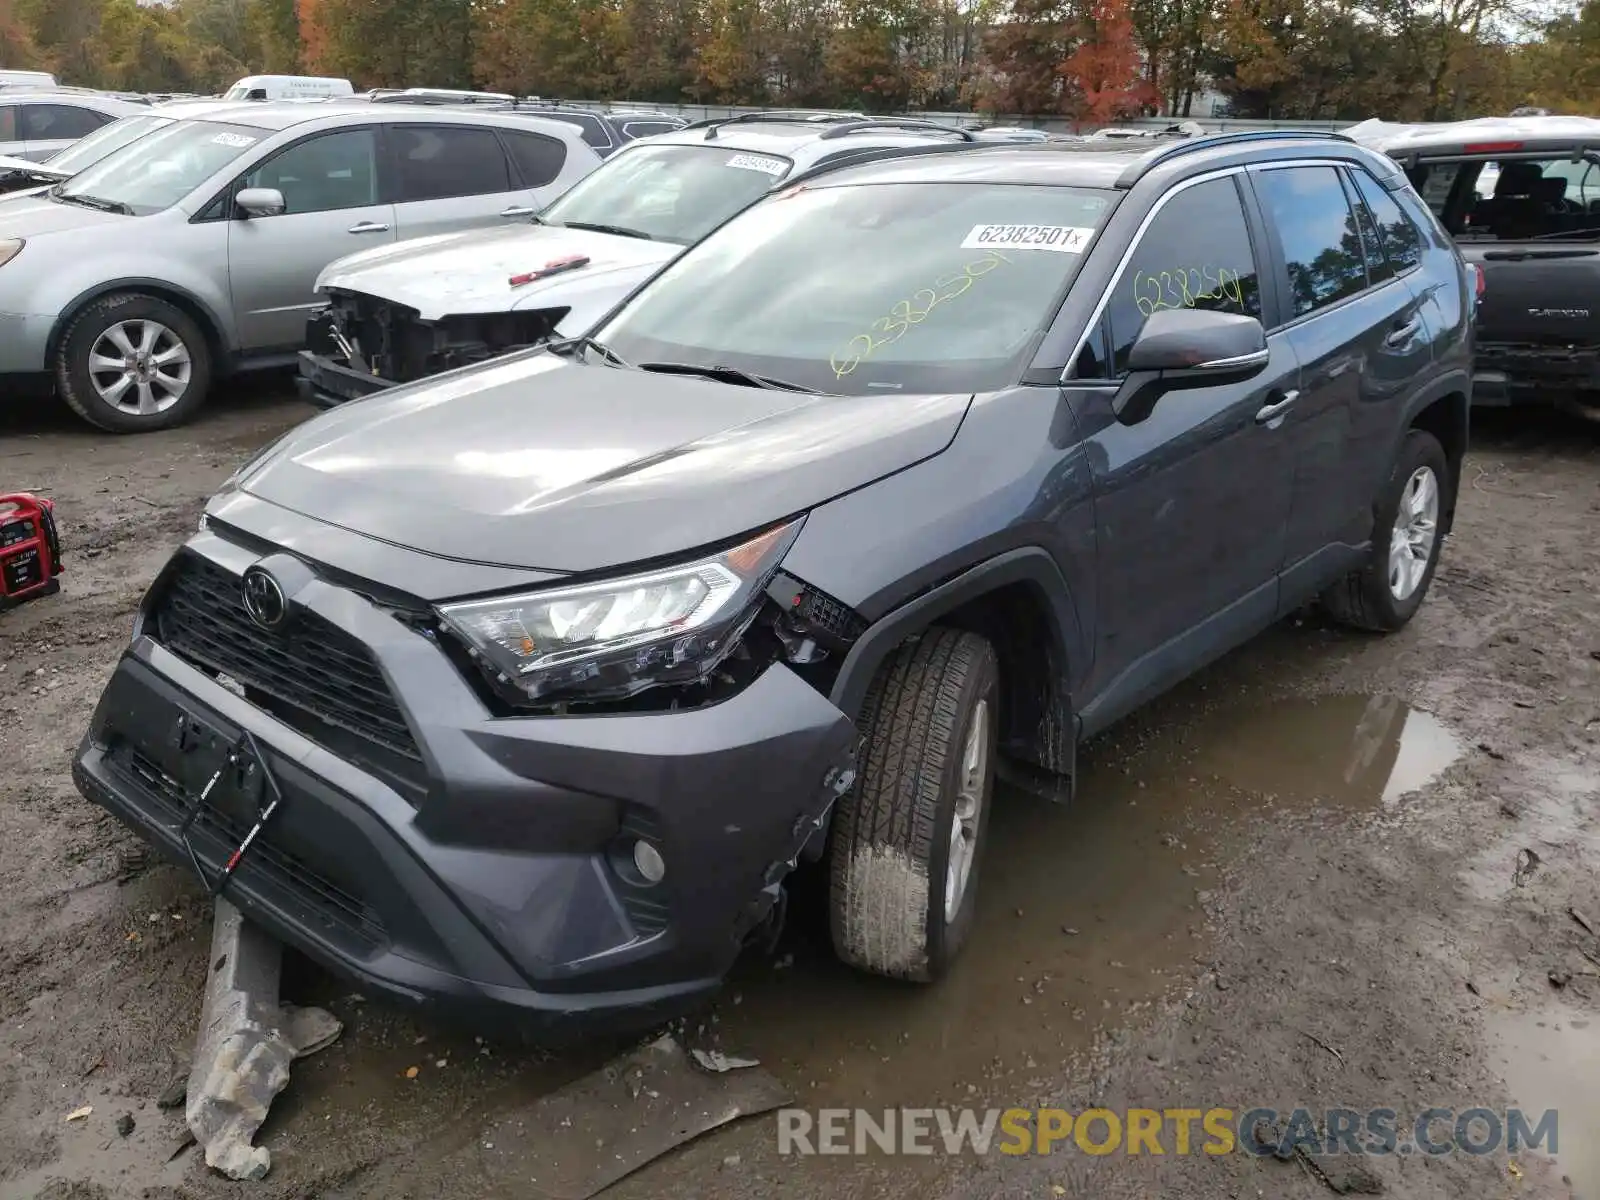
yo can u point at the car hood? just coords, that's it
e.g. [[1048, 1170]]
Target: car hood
[[9, 164], [539, 463], [30, 214], [456, 274]]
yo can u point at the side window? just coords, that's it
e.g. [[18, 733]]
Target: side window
[[1378, 267], [323, 173], [640, 129], [1402, 241], [538, 159], [592, 128], [8, 123], [1434, 183], [436, 162], [1176, 267], [59, 122], [1321, 244]]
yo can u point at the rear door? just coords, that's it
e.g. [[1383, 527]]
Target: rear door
[[50, 128], [1357, 329], [453, 177], [331, 186]]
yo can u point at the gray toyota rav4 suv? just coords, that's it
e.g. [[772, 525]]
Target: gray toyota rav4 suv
[[524, 688]]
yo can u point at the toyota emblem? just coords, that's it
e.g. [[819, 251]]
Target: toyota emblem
[[263, 598]]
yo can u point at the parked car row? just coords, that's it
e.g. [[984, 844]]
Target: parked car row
[[401, 313], [522, 689]]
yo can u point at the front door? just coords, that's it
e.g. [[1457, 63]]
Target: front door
[[1358, 331], [330, 189], [1191, 503]]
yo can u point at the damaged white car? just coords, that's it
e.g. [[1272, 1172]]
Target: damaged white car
[[413, 309]]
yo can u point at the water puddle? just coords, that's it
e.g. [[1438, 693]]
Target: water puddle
[[1551, 1060], [1087, 913]]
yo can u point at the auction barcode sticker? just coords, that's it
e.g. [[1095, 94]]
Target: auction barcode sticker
[[1064, 239], [756, 162], [237, 141]]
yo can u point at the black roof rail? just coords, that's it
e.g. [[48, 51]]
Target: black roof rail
[[786, 116], [1165, 150], [911, 124], [867, 154]]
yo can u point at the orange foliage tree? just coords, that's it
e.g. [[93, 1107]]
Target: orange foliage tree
[[1105, 71]]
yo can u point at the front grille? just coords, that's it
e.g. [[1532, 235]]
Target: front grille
[[338, 909], [311, 666]]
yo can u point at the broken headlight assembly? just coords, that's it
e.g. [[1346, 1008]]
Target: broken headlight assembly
[[611, 639]]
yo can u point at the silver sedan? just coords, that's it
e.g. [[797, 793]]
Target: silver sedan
[[192, 252]]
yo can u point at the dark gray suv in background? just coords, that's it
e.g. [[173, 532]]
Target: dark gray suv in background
[[525, 687]]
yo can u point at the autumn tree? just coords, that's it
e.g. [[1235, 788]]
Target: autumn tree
[[1023, 54], [1103, 71]]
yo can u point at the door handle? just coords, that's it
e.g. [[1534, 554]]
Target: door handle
[[1278, 407], [518, 210], [1404, 333], [368, 227]]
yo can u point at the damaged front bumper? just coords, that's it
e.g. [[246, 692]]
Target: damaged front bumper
[[453, 857], [327, 383], [327, 377]]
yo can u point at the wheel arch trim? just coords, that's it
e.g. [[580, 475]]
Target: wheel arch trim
[[1028, 564], [211, 324]]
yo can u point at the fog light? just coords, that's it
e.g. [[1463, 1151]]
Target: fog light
[[649, 862]]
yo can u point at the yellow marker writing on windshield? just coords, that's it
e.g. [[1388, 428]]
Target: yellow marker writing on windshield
[[904, 314]]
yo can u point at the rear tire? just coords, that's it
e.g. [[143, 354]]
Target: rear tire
[[1407, 536], [920, 804], [132, 363]]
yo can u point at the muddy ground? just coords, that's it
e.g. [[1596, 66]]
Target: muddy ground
[[1292, 882]]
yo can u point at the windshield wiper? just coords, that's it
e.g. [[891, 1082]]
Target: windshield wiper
[[578, 345], [618, 230], [727, 375], [94, 202]]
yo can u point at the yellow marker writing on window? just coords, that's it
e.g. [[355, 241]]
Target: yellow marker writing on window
[[905, 314], [1185, 287]]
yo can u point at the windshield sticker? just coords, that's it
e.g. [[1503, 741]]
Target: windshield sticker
[[1186, 287], [1063, 239], [237, 140], [755, 162], [903, 314]]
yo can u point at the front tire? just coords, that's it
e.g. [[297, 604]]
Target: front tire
[[131, 363], [905, 841], [1407, 536]]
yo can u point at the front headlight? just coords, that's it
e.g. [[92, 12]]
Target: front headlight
[[611, 639], [10, 248]]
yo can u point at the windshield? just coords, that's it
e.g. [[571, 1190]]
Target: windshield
[[926, 287], [156, 172], [669, 193], [91, 149]]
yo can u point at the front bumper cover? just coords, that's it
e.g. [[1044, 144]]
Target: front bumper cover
[[328, 383], [498, 888]]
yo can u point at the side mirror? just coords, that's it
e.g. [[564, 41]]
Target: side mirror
[[260, 202], [1188, 348]]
